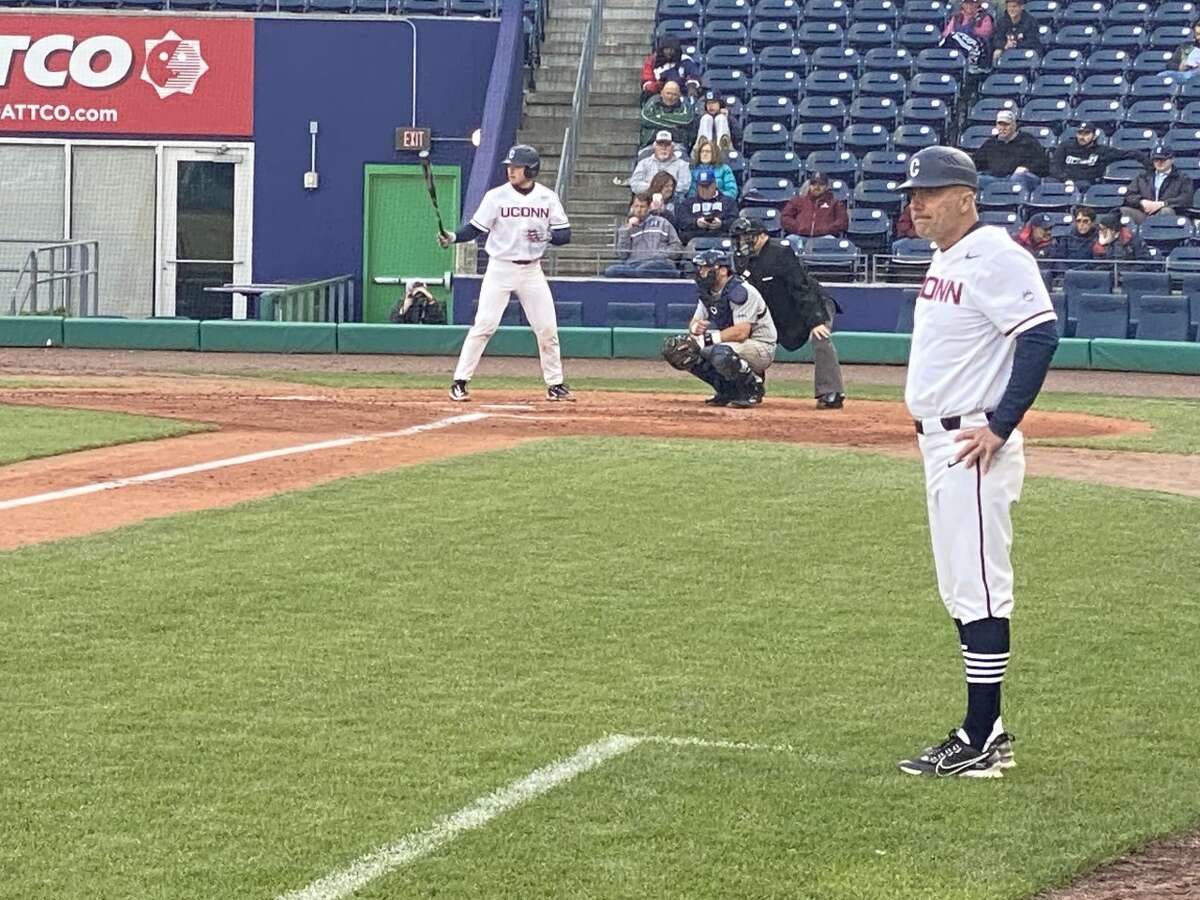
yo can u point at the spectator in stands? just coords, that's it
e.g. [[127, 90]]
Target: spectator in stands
[[1016, 30], [1166, 189], [707, 212], [1186, 61], [970, 19], [969, 30], [815, 211], [672, 110], [1010, 152], [1078, 243], [669, 63], [1036, 236], [904, 224], [647, 245], [1115, 241], [708, 157], [1081, 160], [662, 196], [715, 123], [663, 159]]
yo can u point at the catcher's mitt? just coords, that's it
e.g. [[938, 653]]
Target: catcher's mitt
[[681, 351]]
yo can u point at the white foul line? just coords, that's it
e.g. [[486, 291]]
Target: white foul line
[[164, 474], [341, 884]]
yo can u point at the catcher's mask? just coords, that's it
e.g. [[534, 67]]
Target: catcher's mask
[[707, 262]]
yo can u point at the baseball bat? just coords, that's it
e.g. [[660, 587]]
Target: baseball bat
[[428, 169]]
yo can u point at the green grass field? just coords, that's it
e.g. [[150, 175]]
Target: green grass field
[[233, 703], [30, 432]]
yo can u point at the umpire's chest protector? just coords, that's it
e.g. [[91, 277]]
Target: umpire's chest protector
[[793, 298]]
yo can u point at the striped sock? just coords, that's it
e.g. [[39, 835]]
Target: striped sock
[[985, 658]]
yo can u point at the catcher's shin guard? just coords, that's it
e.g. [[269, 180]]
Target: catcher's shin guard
[[736, 370]]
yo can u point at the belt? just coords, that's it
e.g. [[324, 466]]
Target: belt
[[523, 262], [949, 423]]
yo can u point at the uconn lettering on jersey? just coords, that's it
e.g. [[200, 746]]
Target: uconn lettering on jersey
[[524, 212], [943, 290]]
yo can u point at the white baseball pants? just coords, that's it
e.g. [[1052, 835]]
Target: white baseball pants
[[970, 522], [529, 284]]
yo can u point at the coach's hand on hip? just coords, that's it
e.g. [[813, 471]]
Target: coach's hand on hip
[[980, 445], [445, 239]]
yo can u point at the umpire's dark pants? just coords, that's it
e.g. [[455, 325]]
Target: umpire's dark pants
[[827, 371]]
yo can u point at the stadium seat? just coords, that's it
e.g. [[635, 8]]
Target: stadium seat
[[778, 82], [1169, 37], [1137, 284], [737, 163], [630, 315], [875, 110], [1104, 87], [947, 60], [1104, 197], [1183, 141], [730, 56], [1007, 195], [686, 31], [1059, 301], [725, 33], [1084, 38], [830, 254], [1184, 261], [1047, 11], [728, 82], [1140, 139], [1052, 196], [838, 164], [1151, 62], [1166, 231], [812, 35], [485, 8], [837, 59], [1081, 12], [1104, 114], [883, 84], [911, 138], [810, 136], [1123, 171], [776, 164], [676, 9], [869, 229], [1062, 61], [777, 11], [984, 111], [822, 109], [1107, 61], [768, 191], [912, 250], [1128, 12], [826, 83], [794, 59], [1174, 12], [1154, 87], [1006, 219], [764, 136], [917, 36], [1189, 166], [1043, 134], [882, 59], [768, 108], [865, 35], [1189, 117], [827, 11], [767, 215], [1158, 115], [1100, 315], [727, 10], [1160, 317], [1054, 87], [972, 137], [875, 11], [1052, 112], [770, 34], [864, 137], [929, 111], [934, 84], [932, 12], [877, 194], [885, 165], [1131, 38], [1017, 61], [908, 305], [1077, 282]]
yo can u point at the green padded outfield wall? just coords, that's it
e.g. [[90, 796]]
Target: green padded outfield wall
[[132, 334], [1146, 356], [400, 232], [226, 335], [31, 331]]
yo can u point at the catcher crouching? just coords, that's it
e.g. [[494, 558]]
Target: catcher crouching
[[731, 338]]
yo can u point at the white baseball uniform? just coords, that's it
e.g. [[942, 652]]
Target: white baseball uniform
[[518, 227], [976, 298]]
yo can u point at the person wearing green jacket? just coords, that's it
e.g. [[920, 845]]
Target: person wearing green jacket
[[671, 110]]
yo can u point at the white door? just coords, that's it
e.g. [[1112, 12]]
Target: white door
[[205, 227]]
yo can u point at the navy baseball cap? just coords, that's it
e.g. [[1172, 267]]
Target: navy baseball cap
[[705, 176], [714, 256], [1111, 220], [1042, 220], [936, 167], [1085, 126], [1162, 152]]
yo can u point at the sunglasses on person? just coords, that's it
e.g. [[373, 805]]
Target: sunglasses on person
[[1083, 219]]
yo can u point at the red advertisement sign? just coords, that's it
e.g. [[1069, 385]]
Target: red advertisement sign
[[132, 75]]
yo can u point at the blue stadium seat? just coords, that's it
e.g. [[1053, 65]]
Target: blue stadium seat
[[678, 9], [729, 10], [1005, 85], [869, 229], [778, 82], [630, 315], [866, 137], [1058, 300], [1104, 197], [1160, 317], [569, 313], [827, 11], [1136, 284], [737, 163], [838, 59], [1006, 219], [728, 82], [821, 83], [1128, 12], [1009, 195], [724, 32], [1053, 87], [1104, 87], [881, 59], [931, 12], [1081, 12], [812, 35], [830, 253], [1154, 87], [1021, 62], [908, 305], [912, 250], [1046, 111], [1124, 37], [912, 138], [1173, 12], [1123, 171], [771, 34], [1169, 37], [834, 164], [768, 191], [1052, 196], [1158, 115], [917, 36], [512, 313], [686, 31], [1166, 231], [1189, 117], [729, 56], [764, 136], [1100, 315], [777, 11], [934, 84], [810, 136], [883, 84], [1077, 282], [1062, 61], [875, 110], [767, 215], [1151, 62], [770, 108], [1142, 140], [972, 137], [865, 35], [776, 164], [1104, 114], [793, 59], [885, 165], [1189, 166], [1084, 38], [877, 194], [929, 111], [1183, 141], [1047, 11], [875, 11], [1043, 134], [1107, 61], [984, 111], [822, 109]]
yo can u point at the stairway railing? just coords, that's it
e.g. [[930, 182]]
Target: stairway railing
[[583, 80]]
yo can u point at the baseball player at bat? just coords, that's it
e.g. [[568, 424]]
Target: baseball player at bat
[[983, 336], [520, 218]]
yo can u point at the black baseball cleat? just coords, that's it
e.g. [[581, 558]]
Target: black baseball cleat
[[459, 392], [954, 758], [719, 400], [559, 392], [831, 401], [1003, 745]]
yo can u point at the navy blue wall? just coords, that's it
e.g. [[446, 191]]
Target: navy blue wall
[[354, 77], [863, 308]]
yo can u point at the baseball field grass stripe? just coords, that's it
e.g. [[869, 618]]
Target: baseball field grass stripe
[[474, 815], [166, 474]]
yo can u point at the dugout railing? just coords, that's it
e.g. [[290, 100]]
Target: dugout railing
[[54, 277]]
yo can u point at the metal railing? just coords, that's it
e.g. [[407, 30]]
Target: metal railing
[[330, 300], [56, 276], [583, 80]]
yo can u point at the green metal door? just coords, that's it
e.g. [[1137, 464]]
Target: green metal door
[[400, 232]]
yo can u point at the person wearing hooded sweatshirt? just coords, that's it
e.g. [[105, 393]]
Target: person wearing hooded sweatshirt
[[1011, 152], [1115, 241], [1081, 160], [669, 63], [669, 109]]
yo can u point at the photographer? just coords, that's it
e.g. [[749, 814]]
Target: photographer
[[418, 307]]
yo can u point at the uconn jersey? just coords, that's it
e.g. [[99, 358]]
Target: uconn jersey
[[518, 225]]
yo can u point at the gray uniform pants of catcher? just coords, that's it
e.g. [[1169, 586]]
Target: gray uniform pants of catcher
[[827, 371], [757, 354]]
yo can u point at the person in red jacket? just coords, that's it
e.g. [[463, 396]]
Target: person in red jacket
[[815, 211], [668, 62], [1036, 235]]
